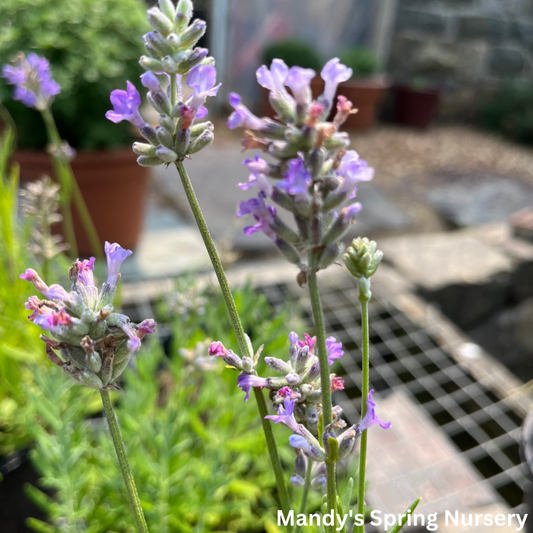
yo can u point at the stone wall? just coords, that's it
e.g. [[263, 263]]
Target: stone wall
[[467, 46]]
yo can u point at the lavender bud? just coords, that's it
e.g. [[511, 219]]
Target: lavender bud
[[346, 442], [149, 134], [169, 65], [160, 102], [302, 226], [247, 364], [301, 359], [300, 464], [194, 59], [314, 396], [338, 141], [183, 13], [333, 199], [312, 374], [316, 162], [283, 199], [148, 161], [306, 389], [208, 61], [174, 41], [181, 145], [193, 33], [311, 414], [272, 129], [85, 377], [281, 229], [233, 359], [176, 110], [94, 362], [203, 140], [198, 129], [297, 481], [164, 137], [340, 225], [362, 258], [293, 379], [304, 206], [283, 104], [152, 64], [288, 251], [329, 255], [167, 123], [282, 150], [166, 155], [157, 42], [316, 229], [159, 21], [167, 7], [279, 366], [318, 482], [143, 148], [277, 383]]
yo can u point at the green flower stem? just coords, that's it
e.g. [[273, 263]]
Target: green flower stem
[[307, 486], [173, 90], [114, 429], [364, 389], [70, 190], [239, 331], [327, 413]]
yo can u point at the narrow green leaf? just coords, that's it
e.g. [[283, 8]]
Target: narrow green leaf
[[396, 527]]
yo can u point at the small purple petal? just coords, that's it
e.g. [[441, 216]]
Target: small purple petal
[[115, 256], [371, 418]]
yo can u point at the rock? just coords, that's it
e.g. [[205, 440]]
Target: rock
[[468, 279], [506, 61], [472, 204], [473, 27], [428, 23], [523, 33]]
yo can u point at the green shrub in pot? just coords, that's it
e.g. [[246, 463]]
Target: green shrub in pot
[[294, 53], [362, 61], [92, 46]]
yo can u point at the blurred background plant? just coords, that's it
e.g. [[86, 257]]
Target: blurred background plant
[[361, 60], [294, 53], [510, 111], [93, 47]]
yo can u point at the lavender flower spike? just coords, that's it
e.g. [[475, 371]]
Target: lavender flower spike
[[34, 85], [334, 73], [298, 81], [247, 381], [242, 117], [274, 78], [286, 415], [126, 106], [297, 179], [115, 256], [335, 350], [371, 418], [258, 168]]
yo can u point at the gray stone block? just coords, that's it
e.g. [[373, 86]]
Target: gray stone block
[[506, 62], [427, 23], [487, 28], [523, 33], [468, 279]]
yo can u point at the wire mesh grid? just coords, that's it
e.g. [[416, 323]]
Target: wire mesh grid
[[406, 357]]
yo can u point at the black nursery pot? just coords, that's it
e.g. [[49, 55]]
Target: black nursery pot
[[414, 107]]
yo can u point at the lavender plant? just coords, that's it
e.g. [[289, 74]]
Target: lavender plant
[[36, 89], [95, 343], [314, 175]]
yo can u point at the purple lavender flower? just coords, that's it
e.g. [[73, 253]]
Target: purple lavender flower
[[134, 342], [242, 116], [371, 418], [247, 381], [150, 81], [262, 212], [353, 169], [274, 78], [32, 276], [126, 106], [217, 349], [298, 80], [115, 256], [256, 165], [286, 415], [337, 384], [202, 81], [145, 327], [334, 73], [85, 271], [309, 341], [34, 85], [297, 179], [334, 348], [300, 443], [56, 292]]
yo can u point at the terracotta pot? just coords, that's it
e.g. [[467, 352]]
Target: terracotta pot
[[367, 96], [414, 107], [113, 185], [317, 88]]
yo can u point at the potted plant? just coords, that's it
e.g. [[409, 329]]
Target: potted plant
[[92, 48], [366, 89], [294, 53], [416, 104]]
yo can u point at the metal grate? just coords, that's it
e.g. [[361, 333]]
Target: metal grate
[[406, 357]]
